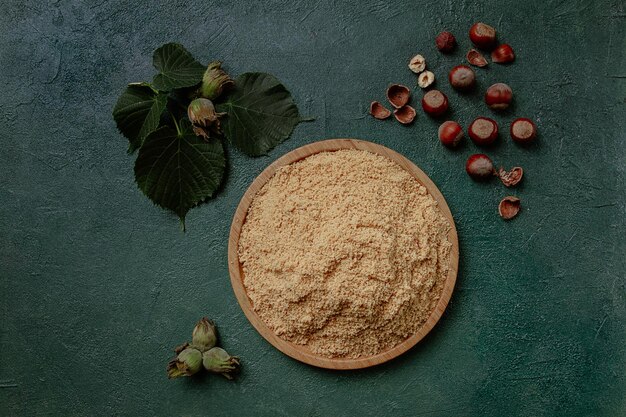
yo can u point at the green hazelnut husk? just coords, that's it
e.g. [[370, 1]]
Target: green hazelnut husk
[[204, 336], [218, 361], [186, 363], [204, 118], [215, 81]]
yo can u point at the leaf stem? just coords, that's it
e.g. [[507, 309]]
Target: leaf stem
[[176, 124]]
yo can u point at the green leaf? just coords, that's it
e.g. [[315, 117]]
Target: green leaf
[[261, 113], [138, 112], [179, 170], [177, 68]]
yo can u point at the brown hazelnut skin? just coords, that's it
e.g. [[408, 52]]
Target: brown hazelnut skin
[[435, 103], [462, 78], [483, 131], [483, 36], [523, 130], [450, 133], [479, 167], [503, 54], [445, 42], [499, 96]]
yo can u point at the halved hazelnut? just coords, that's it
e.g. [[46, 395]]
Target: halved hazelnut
[[405, 114], [512, 177], [509, 207], [379, 111], [398, 95], [417, 64], [425, 79], [476, 58]]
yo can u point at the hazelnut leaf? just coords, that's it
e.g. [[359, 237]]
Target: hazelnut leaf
[[177, 169], [261, 113], [177, 68], [138, 112]]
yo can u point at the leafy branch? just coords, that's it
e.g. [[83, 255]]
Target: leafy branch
[[177, 131]]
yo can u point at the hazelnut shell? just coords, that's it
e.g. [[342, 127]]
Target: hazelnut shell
[[476, 58], [512, 177], [405, 114], [398, 95], [509, 207], [379, 111]]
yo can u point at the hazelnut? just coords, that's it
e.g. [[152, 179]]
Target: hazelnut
[[499, 96], [425, 79], [479, 167], [445, 41], [417, 64], [483, 35], [450, 133], [523, 130], [483, 131], [503, 54], [435, 103], [462, 78]]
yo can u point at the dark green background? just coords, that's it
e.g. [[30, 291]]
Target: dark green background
[[97, 285]]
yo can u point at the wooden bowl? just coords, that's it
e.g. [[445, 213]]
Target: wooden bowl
[[302, 353]]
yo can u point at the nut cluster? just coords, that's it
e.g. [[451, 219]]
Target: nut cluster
[[483, 131], [202, 352], [398, 96]]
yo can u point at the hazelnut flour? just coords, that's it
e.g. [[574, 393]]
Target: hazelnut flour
[[345, 253]]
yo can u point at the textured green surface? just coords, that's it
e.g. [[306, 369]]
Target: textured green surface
[[97, 284]]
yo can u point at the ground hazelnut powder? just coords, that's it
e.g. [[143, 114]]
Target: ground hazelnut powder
[[344, 252]]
